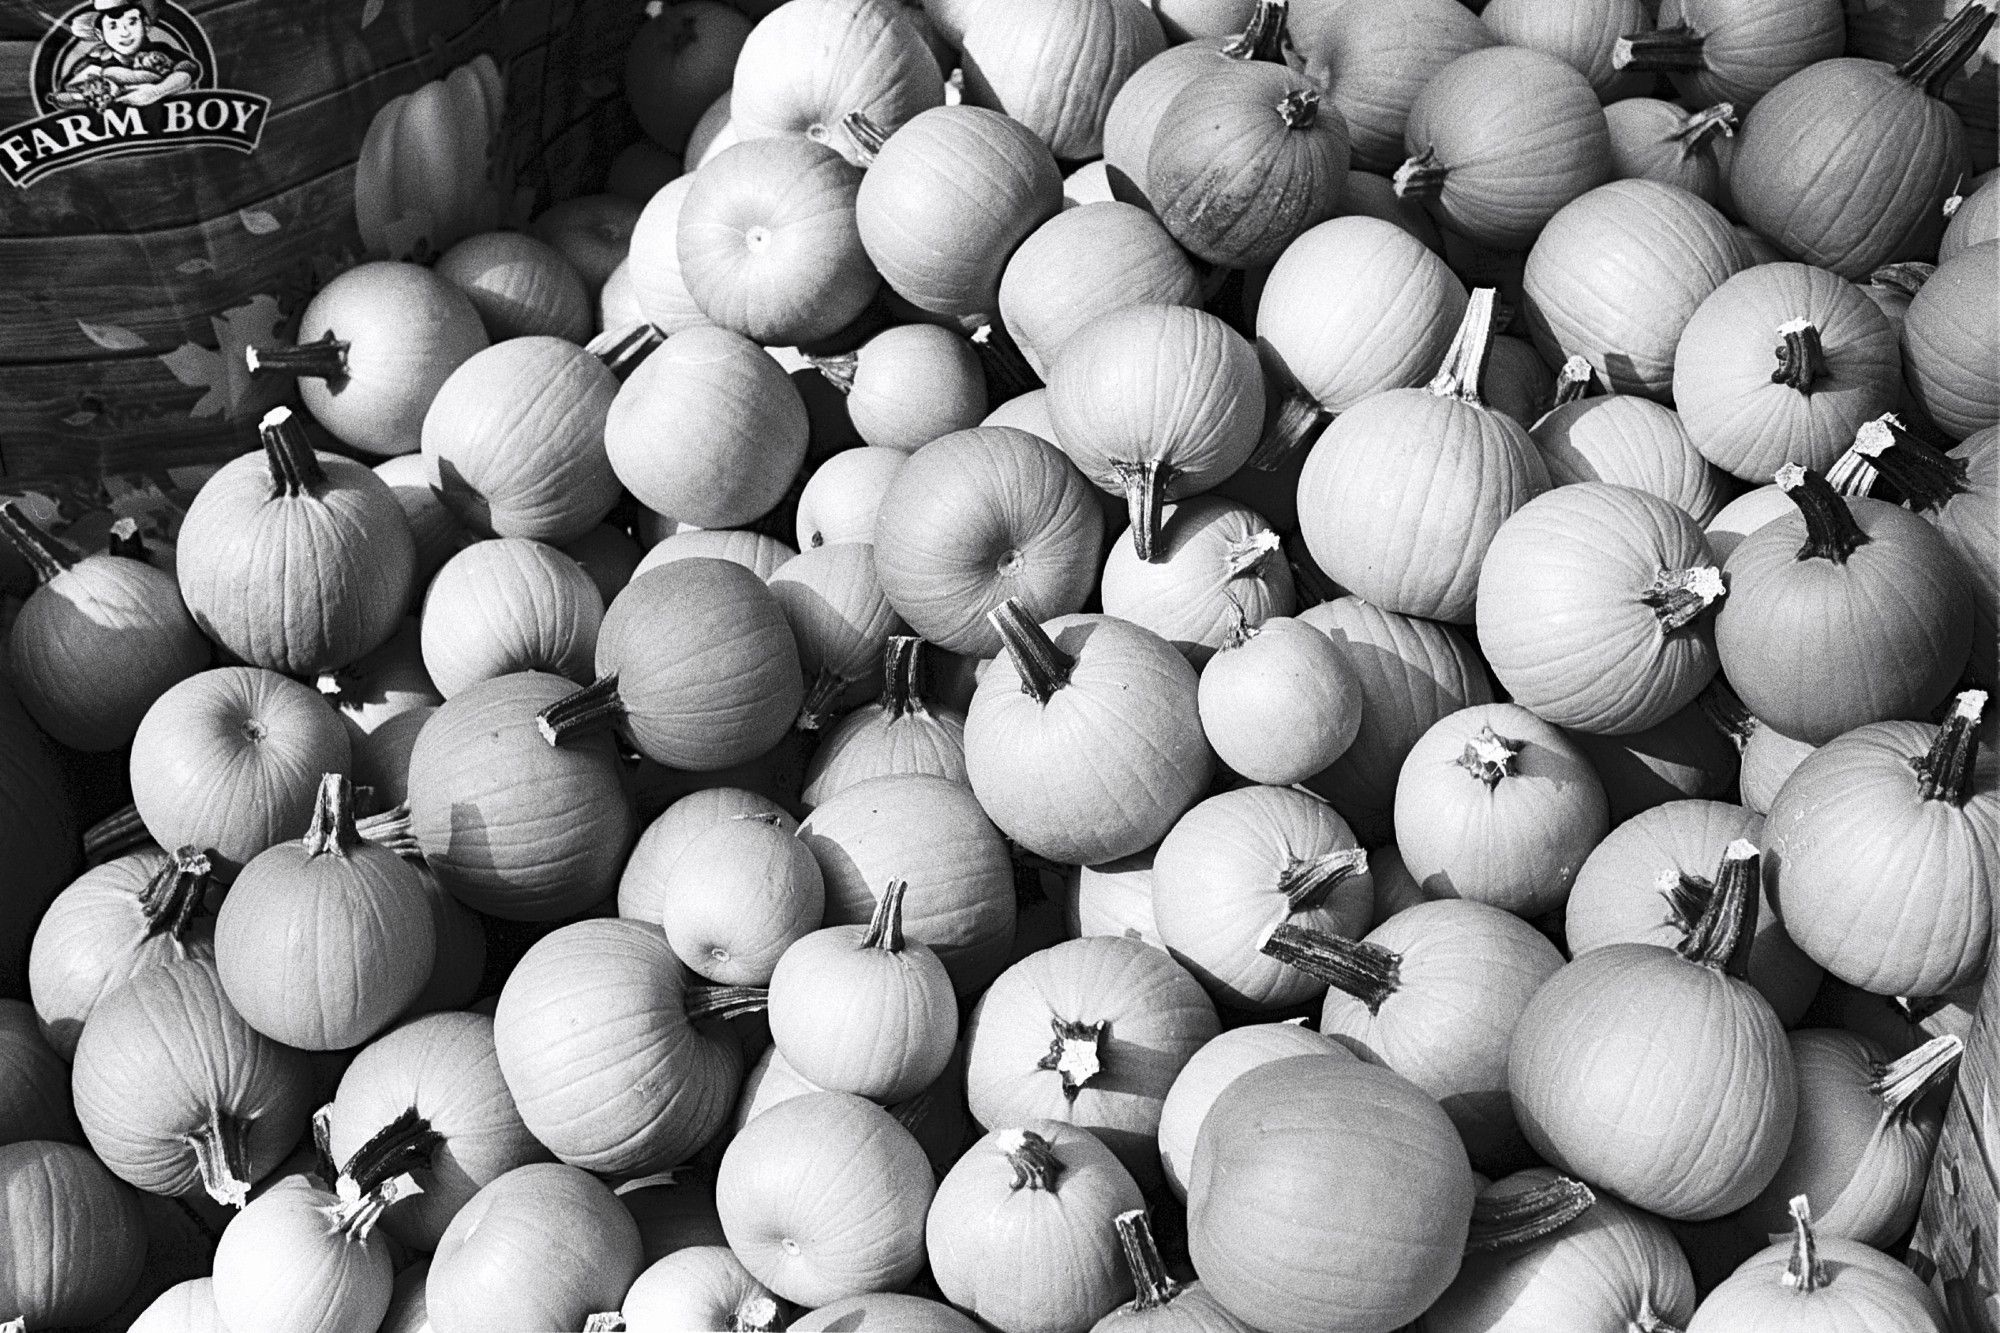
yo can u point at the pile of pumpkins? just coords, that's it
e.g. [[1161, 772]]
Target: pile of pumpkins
[[1312, 668]]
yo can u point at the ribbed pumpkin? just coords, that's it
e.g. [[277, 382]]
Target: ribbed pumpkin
[[176, 1092], [657, 288], [976, 518], [1769, 756], [702, 1286], [509, 605], [947, 199], [935, 1116], [288, 528], [1500, 140], [1889, 844], [228, 761], [1242, 863], [513, 826], [738, 894], [805, 70], [1082, 263], [1212, 1069], [1729, 50], [759, 554], [1629, 441], [1327, 1196], [1161, 1302], [1055, 66], [887, 1310], [1807, 1283], [1403, 493], [1216, 573], [302, 1259], [1948, 338], [908, 385], [436, 530], [1850, 611], [75, 1242], [1583, 34], [1375, 57], [842, 496], [841, 622], [1617, 274], [671, 833], [597, 1036], [1688, 756], [902, 733], [1282, 705], [1683, 1024], [1124, 1018], [1658, 141], [34, 1080], [1021, 1230], [1085, 743], [544, 1246], [383, 684], [1846, 164], [1650, 879], [520, 285], [1593, 604]]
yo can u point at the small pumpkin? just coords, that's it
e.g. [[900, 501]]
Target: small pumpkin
[[1375, 57], [1055, 67], [1631, 441], [1160, 1301], [592, 231], [425, 178], [507, 605], [1212, 1069], [843, 495], [1583, 34], [1769, 757], [737, 897], [1082, 263], [902, 733], [1810, 1283], [759, 554], [909, 385], [669, 834], [299, 1257], [1216, 574], [702, 1286], [1947, 341], [1658, 141], [885, 1310], [1282, 705], [842, 623], [75, 1241], [1727, 50], [805, 69], [680, 59], [654, 284], [34, 1080], [520, 285], [1115, 898]]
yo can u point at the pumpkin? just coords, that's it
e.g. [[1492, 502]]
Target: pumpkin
[[1518, 383], [1837, 367], [1631, 441], [1850, 611], [1948, 339], [679, 61], [608, 555], [592, 231], [189, 1307], [300, 1257], [618, 303], [1658, 141], [738, 895], [229, 759], [1055, 67], [979, 517], [1607, 1267], [1500, 140], [886, 1310], [543, 1246], [1616, 275], [515, 441], [291, 527], [1156, 402], [947, 199], [1688, 756], [1282, 705], [515, 827], [97, 641], [674, 1209], [1250, 164], [843, 495], [659, 290], [1888, 839], [806, 68], [1683, 1023], [1974, 218], [1630, 566], [1020, 1231], [1349, 1141], [1161, 1302], [1242, 863], [759, 554], [176, 1092], [1802, 176], [1115, 898], [842, 623], [1650, 879], [908, 385], [933, 835], [823, 1197], [509, 605], [1085, 262], [712, 133], [1727, 50], [75, 1241], [425, 176], [520, 286], [1810, 1282], [902, 733], [671, 833], [1769, 757], [702, 1286], [375, 346], [382, 684], [1583, 34], [1743, 516], [1376, 57], [34, 1079], [1212, 1069], [1216, 574], [936, 1116], [436, 530], [1867, 1129], [1085, 744]]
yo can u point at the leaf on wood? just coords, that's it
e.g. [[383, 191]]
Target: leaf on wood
[[370, 12], [233, 393], [111, 337], [257, 222], [194, 266], [83, 416]]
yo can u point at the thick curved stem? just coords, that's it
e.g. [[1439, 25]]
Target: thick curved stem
[[1801, 357], [623, 350], [1298, 421], [1727, 713], [1948, 46], [1264, 38], [1035, 1163], [174, 895], [1490, 756], [705, 1002], [1904, 1083], [1307, 883], [596, 707], [1008, 374], [1718, 119], [903, 659], [1831, 531], [1142, 1256], [1944, 772], [1925, 476], [392, 831], [1727, 928], [322, 360], [1573, 380], [1679, 596], [1076, 1054], [1687, 897], [43, 553], [1465, 360], [1907, 277], [866, 135], [822, 698], [1804, 1273], [380, 1171], [332, 830], [1145, 487], [288, 450], [1419, 177], [885, 926], [1042, 667], [119, 832], [222, 1155], [755, 1314], [1501, 1222], [1662, 51], [125, 540], [1368, 972]]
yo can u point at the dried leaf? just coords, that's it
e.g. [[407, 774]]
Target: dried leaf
[[233, 392], [111, 337], [370, 12], [257, 222], [81, 417], [194, 266]]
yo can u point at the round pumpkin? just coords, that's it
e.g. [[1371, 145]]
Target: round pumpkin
[[1631, 441], [654, 284], [1583, 34], [702, 1286], [736, 897], [1375, 57], [1727, 50], [1211, 1070], [520, 285], [807, 68], [902, 733], [1216, 574], [674, 829], [1282, 705], [75, 1241], [300, 1257], [1085, 262], [1658, 141], [1947, 342], [842, 496], [509, 605], [1056, 65], [909, 385], [1810, 1283]]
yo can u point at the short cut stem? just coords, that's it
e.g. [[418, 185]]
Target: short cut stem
[[885, 926], [1077, 1053], [1264, 37], [903, 661], [1308, 883], [1420, 177], [288, 450], [1490, 756], [1042, 667], [174, 895], [1033, 1158], [1831, 530], [1944, 772], [1801, 357], [596, 707], [43, 553], [1142, 1255], [1904, 1083], [1948, 46], [1665, 50], [325, 359], [222, 1156], [332, 831], [1804, 1273], [1679, 596], [1500, 1222]]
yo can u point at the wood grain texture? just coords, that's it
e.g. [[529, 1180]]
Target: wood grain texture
[[1957, 1244]]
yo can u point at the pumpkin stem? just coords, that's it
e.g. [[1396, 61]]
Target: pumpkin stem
[[1573, 380], [705, 1002], [1264, 37], [332, 831], [368, 1184], [1944, 772], [885, 927], [1948, 46], [623, 350], [175, 893], [754, 1314], [1722, 935], [867, 136], [1076, 1054], [1368, 972], [1660, 51], [44, 554], [1678, 596], [1500, 1222], [604, 1321], [125, 540], [119, 832], [222, 1155], [1801, 357], [391, 830], [1043, 667], [1465, 360], [1804, 1273], [1688, 897], [1142, 1255], [587, 711], [903, 660], [1248, 553], [836, 370], [322, 360], [1490, 756], [822, 698], [1726, 712], [1718, 119], [1904, 1083], [1419, 177], [1907, 277], [322, 1137], [295, 468], [1831, 532], [1925, 476], [1035, 1163], [1241, 631], [1296, 422], [1299, 108], [1307, 882], [1145, 486], [1006, 369]]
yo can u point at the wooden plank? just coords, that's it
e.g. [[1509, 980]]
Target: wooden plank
[[1957, 1244], [95, 418]]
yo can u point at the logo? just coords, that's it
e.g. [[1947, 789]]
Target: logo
[[114, 78]]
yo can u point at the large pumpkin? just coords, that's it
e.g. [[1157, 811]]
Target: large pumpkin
[[1055, 65], [300, 1257], [1583, 34], [1375, 57], [1082, 263], [543, 1246], [1729, 51], [1810, 1283], [806, 68], [1629, 441], [1212, 1069], [1948, 338], [74, 1237], [509, 605]]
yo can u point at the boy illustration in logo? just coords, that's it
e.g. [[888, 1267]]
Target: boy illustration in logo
[[120, 56]]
